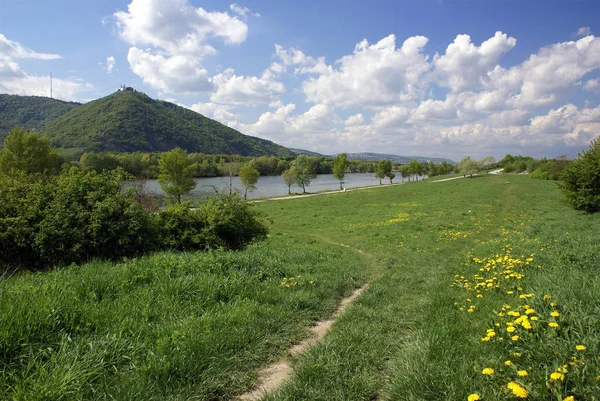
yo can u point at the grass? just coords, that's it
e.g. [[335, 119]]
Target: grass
[[197, 326]]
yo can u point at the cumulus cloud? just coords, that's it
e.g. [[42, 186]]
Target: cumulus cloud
[[357, 119], [218, 112], [584, 31], [14, 80], [110, 64], [374, 75], [176, 32], [592, 85], [248, 90], [466, 66], [243, 12], [8, 48]]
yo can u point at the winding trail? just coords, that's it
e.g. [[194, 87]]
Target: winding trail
[[274, 375]]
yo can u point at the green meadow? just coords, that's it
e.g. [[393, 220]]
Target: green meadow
[[481, 288]]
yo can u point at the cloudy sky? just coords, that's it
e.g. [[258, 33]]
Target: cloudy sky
[[440, 78]]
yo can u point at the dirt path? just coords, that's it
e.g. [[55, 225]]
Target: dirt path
[[274, 375], [462, 176], [328, 192]]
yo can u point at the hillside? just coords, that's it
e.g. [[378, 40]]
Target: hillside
[[128, 121], [29, 111], [366, 156]]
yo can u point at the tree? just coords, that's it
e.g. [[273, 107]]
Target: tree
[[431, 169], [468, 166], [413, 169], [339, 168], [487, 163], [289, 177], [581, 180], [28, 152], [384, 169], [404, 172], [391, 176], [249, 177], [230, 170], [176, 173], [305, 168]]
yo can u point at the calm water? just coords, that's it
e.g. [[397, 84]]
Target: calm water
[[268, 186]]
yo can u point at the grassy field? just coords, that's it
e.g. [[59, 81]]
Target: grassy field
[[478, 288]]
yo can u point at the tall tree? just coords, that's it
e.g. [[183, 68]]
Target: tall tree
[[249, 177], [305, 168], [28, 152], [289, 177], [339, 168], [176, 175], [468, 166], [384, 169], [487, 163]]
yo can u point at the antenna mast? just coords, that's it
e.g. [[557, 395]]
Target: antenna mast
[[50, 85]]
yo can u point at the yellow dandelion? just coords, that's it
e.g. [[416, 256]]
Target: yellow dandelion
[[555, 313], [535, 318], [517, 390], [473, 397], [580, 347], [507, 363], [553, 325], [530, 311], [515, 338], [522, 373], [569, 398], [517, 354], [487, 371], [511, 329], [557, 376]]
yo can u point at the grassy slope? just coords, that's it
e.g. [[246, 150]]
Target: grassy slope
[[408, 339], [169, 326], [176, 326]]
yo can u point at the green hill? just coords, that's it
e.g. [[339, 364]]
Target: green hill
[[128, 121], [29, 111]]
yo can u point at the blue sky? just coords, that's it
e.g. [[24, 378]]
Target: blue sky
[[432, 78]]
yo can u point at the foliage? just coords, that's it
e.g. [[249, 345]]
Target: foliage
[[581, 180], [176, 173], [72, 218], [339, 168], [384, 168], [487, 163], [29, 153], [248, 177], [468, 166], [231, 222], [305, 169], [129, 121], [289, 177], [182, 228], [30, 112]]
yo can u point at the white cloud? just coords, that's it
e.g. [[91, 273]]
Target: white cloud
[[374, 75], [356, 119], [14, 80], [174, 74], [242, 11], [12, 49], [592, 85], [110, 64], [249, 90], [584, 31], [215, 111], [175, 32], [465, 66]]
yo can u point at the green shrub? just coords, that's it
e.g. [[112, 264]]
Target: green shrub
[[72, 218], [181, 228], [581, 180]]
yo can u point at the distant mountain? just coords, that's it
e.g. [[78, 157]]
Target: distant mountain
[[395, 158], [29, 111], [128, 121], [304, 152]]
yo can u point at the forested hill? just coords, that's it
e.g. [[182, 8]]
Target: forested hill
[[29, 111], [128, 121]]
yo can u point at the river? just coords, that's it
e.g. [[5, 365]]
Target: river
[[269, 186]]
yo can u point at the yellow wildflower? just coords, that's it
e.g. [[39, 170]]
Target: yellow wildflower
[[556, 376], [510, 329], [555, 313], [569, 398], [529, 311], [487, 371], [507, 363], [473, 397], [517, 390], [522, 373], [515, 338], [580, 348], [553, 325]]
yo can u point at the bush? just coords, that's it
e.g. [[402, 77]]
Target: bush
[[181, 228], [72, 218], [581, 180]]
